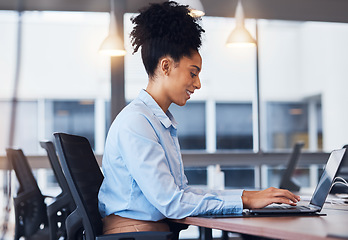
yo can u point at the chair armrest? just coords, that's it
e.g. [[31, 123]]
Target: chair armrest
[[74, 226], [137, 236]]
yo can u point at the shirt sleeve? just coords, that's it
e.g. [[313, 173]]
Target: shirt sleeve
[[200, 191], [146, 161]]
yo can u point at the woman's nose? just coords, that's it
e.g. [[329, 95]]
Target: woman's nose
[[197, 83]]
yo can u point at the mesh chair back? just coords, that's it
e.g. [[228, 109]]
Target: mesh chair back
[[20, 164], [29, 205], [287, 182], [84, 178], [57, 169], [64, 203]]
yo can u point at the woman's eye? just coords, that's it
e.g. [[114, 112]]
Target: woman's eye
[[193, 75]]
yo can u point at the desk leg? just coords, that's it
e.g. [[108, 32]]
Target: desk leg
[[205, 233], [224, 235]]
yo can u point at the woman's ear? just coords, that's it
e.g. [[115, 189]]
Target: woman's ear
[[165, 65]]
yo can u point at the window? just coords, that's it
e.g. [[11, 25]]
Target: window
[[196, 175], [26, 130], [300, 175], [287, 123], [234, 126], [239, 177], [59, 60], [74, 117], [303, 63], [191, 124]]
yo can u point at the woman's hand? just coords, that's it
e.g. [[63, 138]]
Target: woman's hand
[[260, 199]]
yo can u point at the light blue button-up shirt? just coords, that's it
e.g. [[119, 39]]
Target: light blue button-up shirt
[[143, 169]]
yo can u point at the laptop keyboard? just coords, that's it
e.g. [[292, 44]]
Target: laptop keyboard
[[304, 207], [290, 207]]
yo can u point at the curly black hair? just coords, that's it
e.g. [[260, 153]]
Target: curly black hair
[[165, 29]]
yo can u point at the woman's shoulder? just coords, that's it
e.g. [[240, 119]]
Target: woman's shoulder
[[135, 109], [135, 118], [135, 113]]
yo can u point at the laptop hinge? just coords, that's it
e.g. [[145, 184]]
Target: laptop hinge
[[315, 207]]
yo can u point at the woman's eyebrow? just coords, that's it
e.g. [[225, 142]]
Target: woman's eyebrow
[[198, 68]]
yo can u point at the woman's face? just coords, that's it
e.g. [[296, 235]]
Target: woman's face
[[183, 79]]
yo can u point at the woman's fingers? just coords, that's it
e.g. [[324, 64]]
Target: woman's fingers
[[281, 200], [287, 194], [268, 196]]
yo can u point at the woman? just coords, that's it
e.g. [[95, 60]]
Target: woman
[[144, 175]]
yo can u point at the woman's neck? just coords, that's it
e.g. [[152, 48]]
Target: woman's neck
[[154, 89]]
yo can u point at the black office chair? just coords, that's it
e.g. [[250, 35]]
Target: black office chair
[[84, 178], [30, 209], [287, 182], [64, 203]]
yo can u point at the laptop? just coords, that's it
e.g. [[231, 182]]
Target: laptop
[[319, 196]]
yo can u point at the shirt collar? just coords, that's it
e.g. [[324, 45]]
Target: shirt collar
[[166, 119]]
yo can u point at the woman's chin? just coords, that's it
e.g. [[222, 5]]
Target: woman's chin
[[181, 103]]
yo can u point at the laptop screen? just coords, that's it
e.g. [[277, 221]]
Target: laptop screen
[[326, 179]]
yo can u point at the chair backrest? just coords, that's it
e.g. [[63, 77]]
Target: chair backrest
[[20, 164], [64, 202], [30, 208], [287, 182], [84, 178], [56, 167]]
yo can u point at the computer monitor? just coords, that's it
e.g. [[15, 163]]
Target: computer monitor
[[342, 173]]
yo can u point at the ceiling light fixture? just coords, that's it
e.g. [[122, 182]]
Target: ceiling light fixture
[[240, 36], [113, 44], [195, 6]]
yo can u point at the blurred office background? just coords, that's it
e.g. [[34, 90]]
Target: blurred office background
[[65, 86]]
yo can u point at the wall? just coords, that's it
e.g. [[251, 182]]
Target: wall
[[326, 73]]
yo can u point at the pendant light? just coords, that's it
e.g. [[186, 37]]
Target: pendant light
[[113, 44], [240, 35], [195, 7]]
